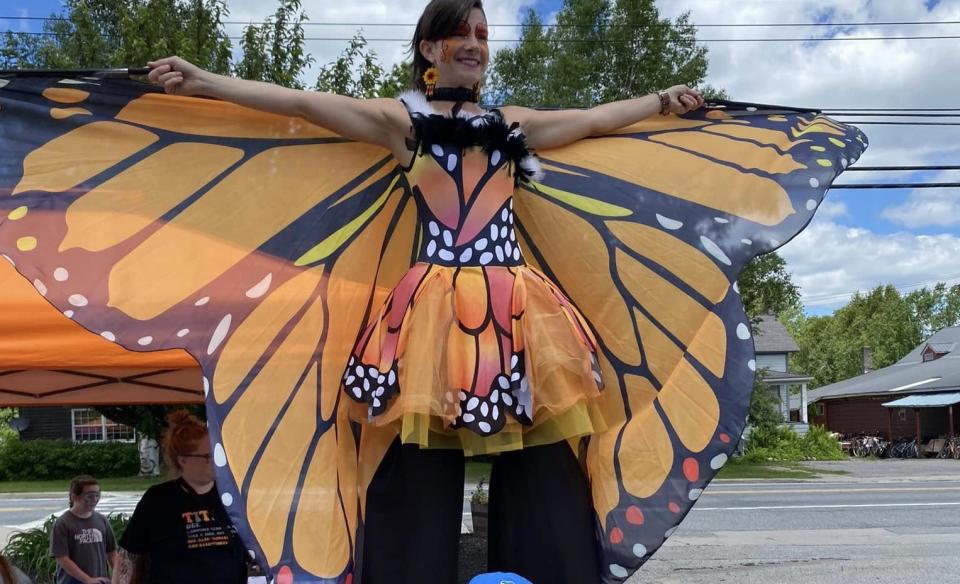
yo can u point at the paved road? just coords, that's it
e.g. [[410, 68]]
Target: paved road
[[882, 530], [888, 522]]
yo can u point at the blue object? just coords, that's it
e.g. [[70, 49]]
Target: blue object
[[499, 578]]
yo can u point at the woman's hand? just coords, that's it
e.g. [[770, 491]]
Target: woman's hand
[[683, 99], [178, 76]]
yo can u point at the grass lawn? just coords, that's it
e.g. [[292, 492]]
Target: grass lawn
[[770, 470], [474, 471], [109, 484]]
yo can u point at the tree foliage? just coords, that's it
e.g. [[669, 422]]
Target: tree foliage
[[358, 72], [890, 324], [123, 33], [766, 287], [598, 51], [274, 50]]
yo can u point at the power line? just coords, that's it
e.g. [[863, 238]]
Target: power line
[[873, 123], [900, 288], [897, 186], [900, 168], [595, 41], [557, 25]]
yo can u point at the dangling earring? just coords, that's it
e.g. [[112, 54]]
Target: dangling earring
[[430, 77]]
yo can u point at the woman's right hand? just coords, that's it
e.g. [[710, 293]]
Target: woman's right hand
[[177, 76]]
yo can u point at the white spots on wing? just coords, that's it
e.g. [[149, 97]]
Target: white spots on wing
[[61, 274], [219, 456], [718, 461], [78, 300], [814, 182], [260, 288], [743, 332], [219, 334], [40, 286], [811, 204], [668, 223], [144, 341], [109, 336], [202, 301], [752, 365], [618, 571], [714, 250], [437, 150], [227, 499], [183, 332]]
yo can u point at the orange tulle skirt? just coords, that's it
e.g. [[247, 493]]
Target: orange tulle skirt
[[485, 359]]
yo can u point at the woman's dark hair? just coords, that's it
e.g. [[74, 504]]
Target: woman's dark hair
[[439, 20]]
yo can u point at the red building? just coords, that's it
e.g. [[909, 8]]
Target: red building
[[915, 397]]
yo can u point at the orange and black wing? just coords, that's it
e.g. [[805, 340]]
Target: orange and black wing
[[647, 231], [258, 243]]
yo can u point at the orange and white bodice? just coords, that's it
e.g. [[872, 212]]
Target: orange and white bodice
[[471, 338]]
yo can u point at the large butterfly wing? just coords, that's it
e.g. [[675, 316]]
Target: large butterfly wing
[[258, 243], [647, 230]]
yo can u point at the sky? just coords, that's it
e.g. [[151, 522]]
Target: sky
[[859, 238]]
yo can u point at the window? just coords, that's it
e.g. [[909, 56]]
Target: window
[[90, 426]]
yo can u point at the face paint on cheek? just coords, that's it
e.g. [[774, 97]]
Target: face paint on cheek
[[450, 47]]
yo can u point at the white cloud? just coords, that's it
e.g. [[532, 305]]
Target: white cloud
[[933, 207], [830, 261]]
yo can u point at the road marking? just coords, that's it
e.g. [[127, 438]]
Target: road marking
[[20, 509], [772, 507], [820, 491]]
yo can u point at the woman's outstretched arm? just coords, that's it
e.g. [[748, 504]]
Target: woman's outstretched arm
[[376, 121], [552, 129]]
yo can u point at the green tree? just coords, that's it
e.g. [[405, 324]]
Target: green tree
[[123, 33], [598, 51], [274, 51], [831, 347], [935, 308], [766, 288], [357, 72]]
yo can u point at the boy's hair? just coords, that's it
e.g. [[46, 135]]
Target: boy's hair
[[79, 483]]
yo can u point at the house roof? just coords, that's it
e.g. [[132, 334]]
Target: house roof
[[907, 376], [937, 400], [772, 337]]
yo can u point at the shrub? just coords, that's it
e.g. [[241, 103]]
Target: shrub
[[30, 550], [771, 442], [63, 459]]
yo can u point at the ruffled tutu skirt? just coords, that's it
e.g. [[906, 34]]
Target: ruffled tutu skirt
[[485, 359]]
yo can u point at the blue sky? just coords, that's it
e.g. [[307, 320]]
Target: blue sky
[[860, 238]]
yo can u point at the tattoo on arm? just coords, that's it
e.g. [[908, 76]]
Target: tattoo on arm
[[129, 568]]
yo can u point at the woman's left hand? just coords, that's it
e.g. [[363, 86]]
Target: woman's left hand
[[683, 99]]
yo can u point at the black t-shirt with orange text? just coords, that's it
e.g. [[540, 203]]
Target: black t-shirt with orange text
[[187, 537]]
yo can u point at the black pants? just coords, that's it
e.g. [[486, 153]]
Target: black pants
[[541, 519]]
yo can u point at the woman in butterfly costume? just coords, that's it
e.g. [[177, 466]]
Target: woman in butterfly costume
[[374, 288]]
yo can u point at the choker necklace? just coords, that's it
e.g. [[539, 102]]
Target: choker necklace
[[456, 94]]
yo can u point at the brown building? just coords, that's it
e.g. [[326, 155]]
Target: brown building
[[917, 396]]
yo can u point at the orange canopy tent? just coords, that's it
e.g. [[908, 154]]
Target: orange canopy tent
[[46, 359]]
